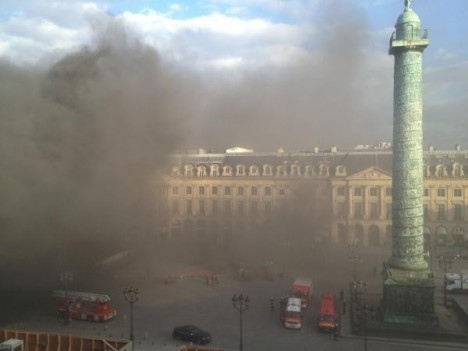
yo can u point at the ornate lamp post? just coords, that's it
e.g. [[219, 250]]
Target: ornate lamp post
[[241, 304], [354, 258], [66, 278], [363, 311], [445, 263], [131, 296]]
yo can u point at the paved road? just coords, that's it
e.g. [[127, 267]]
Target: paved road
[[191, 301]]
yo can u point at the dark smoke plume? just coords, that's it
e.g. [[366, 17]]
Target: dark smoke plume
[[81, 147]]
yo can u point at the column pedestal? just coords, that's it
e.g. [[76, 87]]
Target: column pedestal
[[408, 296]]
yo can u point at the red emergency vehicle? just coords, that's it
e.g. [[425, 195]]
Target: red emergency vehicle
[[85, 306], [327, 319], [302, 288]]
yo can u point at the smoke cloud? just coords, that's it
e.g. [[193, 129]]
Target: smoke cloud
[[81, 145]]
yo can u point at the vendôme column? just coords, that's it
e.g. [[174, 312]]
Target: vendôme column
[[408, 284]]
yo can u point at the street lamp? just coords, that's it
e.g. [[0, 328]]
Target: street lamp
[[241, 304], [131, 296], [66, 278], [363, 311], [445, 263], [354, 258]]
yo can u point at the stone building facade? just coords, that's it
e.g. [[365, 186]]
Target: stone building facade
[[346, 196]]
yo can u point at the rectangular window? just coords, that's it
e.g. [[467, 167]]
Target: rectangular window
[[340, 209], [426, 192], [175, 207], [201, 190], [374, 210], [201, 207], [281, 192], [214, 190], [388, 191], [188, 206], [240, 207], [227, 190], [254, 208], [426, 211], [388, 210], [227, 207], [253, 191], [358, 191], [340, 191], [373, 191], [441, 212], [268, 191], [458, 211], [358, 210], [441, 192], [214, 207], [458, 192], [175, 190], [188, 190], [240, 191]]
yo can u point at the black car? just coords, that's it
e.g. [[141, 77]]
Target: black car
[[192, 334]]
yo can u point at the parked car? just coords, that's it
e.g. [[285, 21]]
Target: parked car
[[192, 334]]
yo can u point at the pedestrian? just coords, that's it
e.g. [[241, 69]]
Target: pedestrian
[[272, 304], [375, 272]]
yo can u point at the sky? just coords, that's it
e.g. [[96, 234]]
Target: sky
[[267, 74]]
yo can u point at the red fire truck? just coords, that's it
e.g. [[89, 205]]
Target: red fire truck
[[86, 306], [327, 319]]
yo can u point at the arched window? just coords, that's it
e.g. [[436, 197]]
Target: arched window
[[374, 236], [342, 234], [441, 235], [359, 234], [458, 235]]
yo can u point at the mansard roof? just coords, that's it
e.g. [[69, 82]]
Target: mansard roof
[[352, 161]]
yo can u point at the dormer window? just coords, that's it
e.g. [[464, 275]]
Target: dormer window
[[214, 170], [324, 171], [341, 170], [240, 170], [175, 172], [201, 171], [267, 170], [295, 170], [281, 171], [457, 170], [253, 171], [227, 171], [309, 171], [188, 170], [440, 171]]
